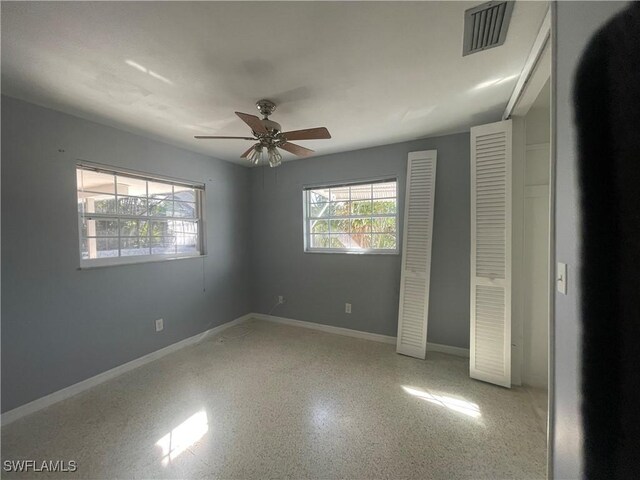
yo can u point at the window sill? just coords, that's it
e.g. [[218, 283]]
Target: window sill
[[139, 261], [344, 252]]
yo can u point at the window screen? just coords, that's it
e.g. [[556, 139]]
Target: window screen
[[125, 218], [352, 218]]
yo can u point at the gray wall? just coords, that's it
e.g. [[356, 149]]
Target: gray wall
[[316, 286], [61, 325], [575, 23]]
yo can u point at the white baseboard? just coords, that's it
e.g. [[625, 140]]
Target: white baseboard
[[376, 337], [70, 391]]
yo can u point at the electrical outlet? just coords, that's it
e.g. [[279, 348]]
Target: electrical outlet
[[159, 325], [347, 308], [280, 299]]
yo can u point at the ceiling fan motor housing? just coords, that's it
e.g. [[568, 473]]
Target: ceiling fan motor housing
[[271, 126]]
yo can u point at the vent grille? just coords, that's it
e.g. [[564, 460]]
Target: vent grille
[[485, 26]]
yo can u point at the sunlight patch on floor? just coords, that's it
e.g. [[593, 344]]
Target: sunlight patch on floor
[[183, 436], [456, 404]]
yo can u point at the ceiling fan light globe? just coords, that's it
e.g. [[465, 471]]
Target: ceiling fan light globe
[[275, 159], [255, 155]]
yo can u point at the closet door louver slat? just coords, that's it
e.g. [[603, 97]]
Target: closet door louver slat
[[490, 353], [416, 254]]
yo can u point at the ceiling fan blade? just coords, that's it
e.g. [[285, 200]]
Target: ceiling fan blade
[[213, 137], [308, 134], [244, 155], [295, 149], [253, 121]]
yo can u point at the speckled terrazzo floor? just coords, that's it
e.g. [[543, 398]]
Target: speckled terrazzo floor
[[262, 400]]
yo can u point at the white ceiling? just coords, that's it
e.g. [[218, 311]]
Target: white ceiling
[[373, 73]]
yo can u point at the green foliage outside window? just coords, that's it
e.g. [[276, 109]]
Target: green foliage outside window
[[360, 228]]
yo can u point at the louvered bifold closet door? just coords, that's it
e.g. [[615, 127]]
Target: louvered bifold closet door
[[416, 254], [490, 355]]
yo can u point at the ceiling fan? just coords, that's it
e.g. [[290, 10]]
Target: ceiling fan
[[270, 136]]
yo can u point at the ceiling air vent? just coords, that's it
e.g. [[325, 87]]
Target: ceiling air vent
[[485, 26]]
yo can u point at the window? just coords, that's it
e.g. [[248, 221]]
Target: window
[[352, 218], [128, 218]]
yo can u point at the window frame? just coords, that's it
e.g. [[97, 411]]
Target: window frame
[[350, 251], [199, 188]]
